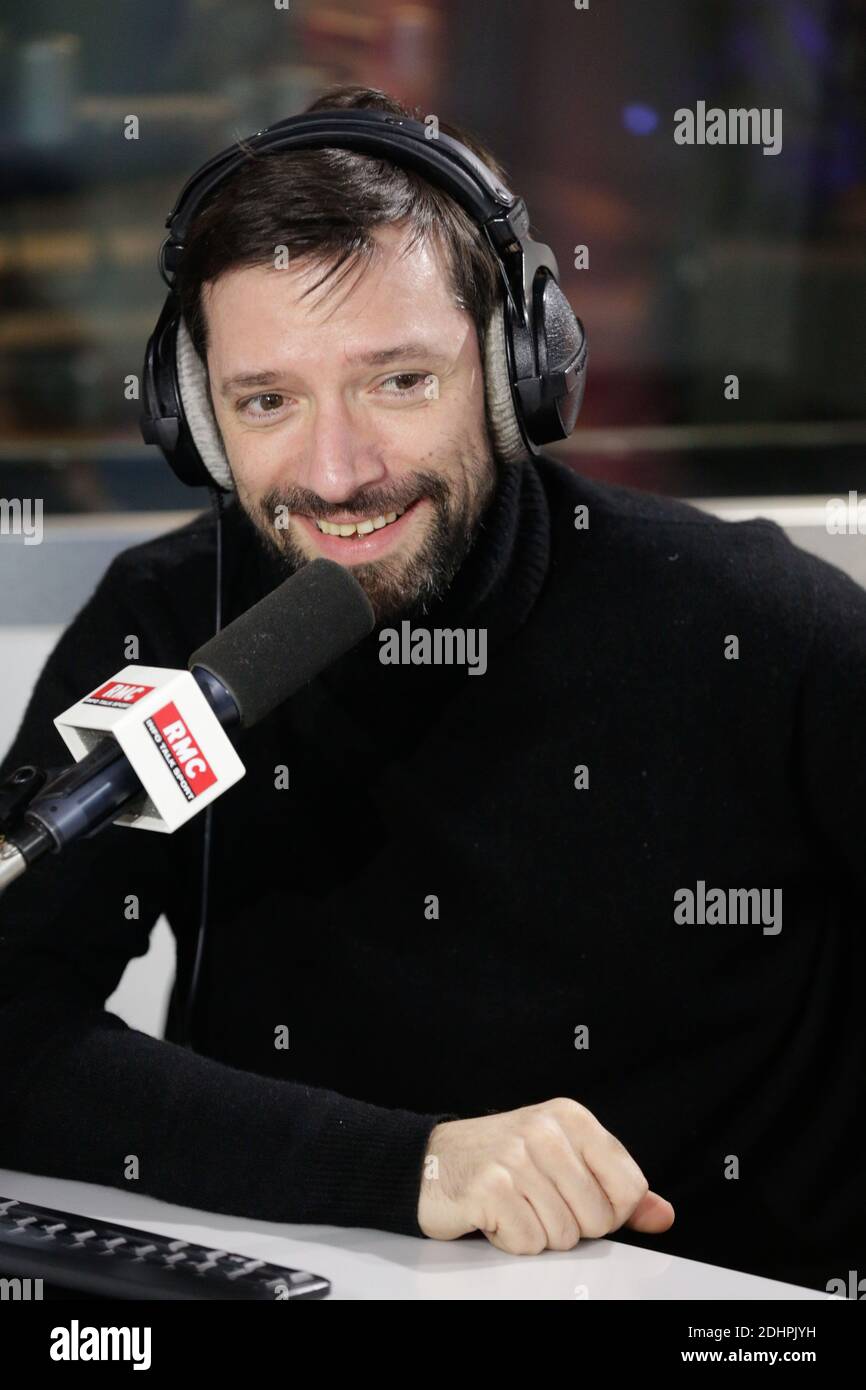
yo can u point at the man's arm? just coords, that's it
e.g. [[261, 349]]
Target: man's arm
[[82, 1094], [831, 714]]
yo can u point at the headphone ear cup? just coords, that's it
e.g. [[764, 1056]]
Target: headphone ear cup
[[192, 385], [561, 340], [508, 442]]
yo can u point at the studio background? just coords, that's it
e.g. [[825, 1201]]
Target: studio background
[[703, 261]]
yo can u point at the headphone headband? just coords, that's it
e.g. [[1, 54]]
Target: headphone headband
[[380, 133], [537, 348], [499, 213]]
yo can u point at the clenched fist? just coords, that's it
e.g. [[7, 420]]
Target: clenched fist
[[534, 1179]]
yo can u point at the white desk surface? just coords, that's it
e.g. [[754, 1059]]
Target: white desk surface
[[364, 1264]]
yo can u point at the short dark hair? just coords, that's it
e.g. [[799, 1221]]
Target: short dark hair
[[324, 204]]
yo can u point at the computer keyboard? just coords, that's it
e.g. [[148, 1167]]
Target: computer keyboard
[[98, 1258]]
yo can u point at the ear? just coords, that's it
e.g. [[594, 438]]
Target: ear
[[193, 385]]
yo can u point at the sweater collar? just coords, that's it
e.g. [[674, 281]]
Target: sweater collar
[[502, 575]]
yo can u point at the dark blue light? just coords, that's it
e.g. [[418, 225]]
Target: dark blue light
[[639, 118]]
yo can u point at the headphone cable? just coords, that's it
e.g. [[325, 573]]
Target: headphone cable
[[206, 838]]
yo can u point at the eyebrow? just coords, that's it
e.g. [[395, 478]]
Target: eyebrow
[[378, 358]]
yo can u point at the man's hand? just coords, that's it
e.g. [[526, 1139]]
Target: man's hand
[[534, 1179]]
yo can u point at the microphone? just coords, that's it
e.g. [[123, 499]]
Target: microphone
[[286, 639], [237, 678]]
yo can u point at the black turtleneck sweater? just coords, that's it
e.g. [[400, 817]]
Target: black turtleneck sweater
[[711, 1047]]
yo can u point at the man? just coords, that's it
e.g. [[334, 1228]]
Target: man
[[522, 924]]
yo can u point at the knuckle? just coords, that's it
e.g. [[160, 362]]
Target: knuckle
[[567, 1235], [636, 1186], [616, 1150], [531, 1242], [565, 1105], [497, 1182], [514, 1153], [544, 1128], [633, 1194], [517, 1247], [599, 1223], [519, 1243], [640, 1189]]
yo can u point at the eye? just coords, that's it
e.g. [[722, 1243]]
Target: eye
[[406, 383], [271, 402]]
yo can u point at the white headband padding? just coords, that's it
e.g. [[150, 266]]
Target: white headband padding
[[507, 440], [192, 379]]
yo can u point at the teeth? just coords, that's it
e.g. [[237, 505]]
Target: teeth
[[361, 528]]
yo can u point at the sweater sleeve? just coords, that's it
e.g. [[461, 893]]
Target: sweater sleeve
[[86, 1097], [830, 748]]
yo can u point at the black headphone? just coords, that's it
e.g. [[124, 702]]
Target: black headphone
[[535, 350]]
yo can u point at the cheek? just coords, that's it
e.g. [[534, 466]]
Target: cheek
[[458, 415], [257, 458]]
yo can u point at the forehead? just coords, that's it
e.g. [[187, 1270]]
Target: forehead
[[400, 291]]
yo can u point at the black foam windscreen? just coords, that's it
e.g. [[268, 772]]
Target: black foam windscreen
[[289, 637]]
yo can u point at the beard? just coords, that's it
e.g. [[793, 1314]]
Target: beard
[[402, 584]]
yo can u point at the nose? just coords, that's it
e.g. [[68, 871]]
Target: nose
[[342, 454]]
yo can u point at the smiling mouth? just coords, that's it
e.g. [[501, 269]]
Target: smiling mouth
[[364, 527], [362, 538]]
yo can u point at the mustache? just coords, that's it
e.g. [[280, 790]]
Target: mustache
[[370, 502]]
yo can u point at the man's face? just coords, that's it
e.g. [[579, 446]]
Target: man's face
[[358, 410]]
